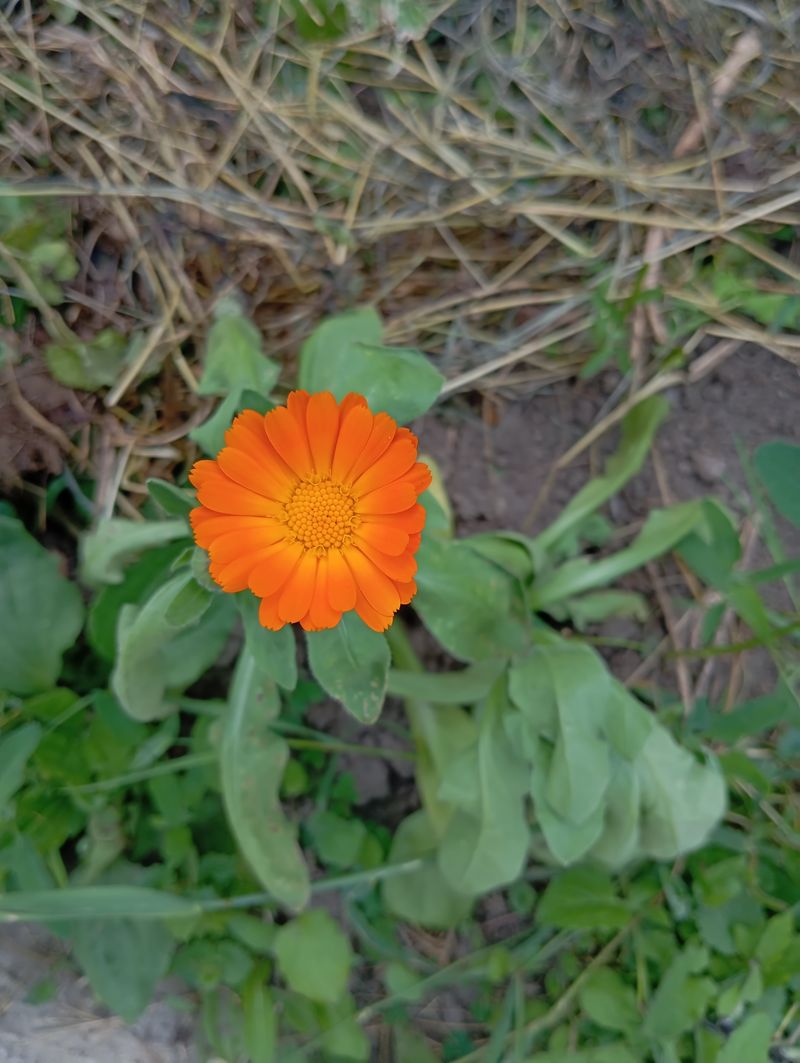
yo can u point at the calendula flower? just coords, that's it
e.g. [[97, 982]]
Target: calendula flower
[[313, 506]]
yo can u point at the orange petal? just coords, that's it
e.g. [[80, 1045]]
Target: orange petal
[[322, 424], [414, 541], [371, 617], [349, 402], [243, 541], [320, 614], [270, 575], [383, 432], [247, 433], [260, 476], [297, 404], [406, 591], [396, 461], [290, 440], [420, 476], [393, 498], [400, 568], [298, 591], [384, 537], [410, 520], [376, 587], [218, 492], [234, 575], [356, 428], [208, 525], [268, 613], [341, 585]]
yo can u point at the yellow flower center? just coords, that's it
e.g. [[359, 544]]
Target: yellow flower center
[[321, 515]]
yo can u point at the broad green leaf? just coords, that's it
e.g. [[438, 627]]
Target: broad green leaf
[[753, 717], [467, 602], [345, 354], [90, 364], [155, 658], [600, 605], [411, 1046], [41, 613], [486, 840], [337, 840], [567, 840], [609, 1002], [778, 468], [351, 664], [713, 556], [16, 748], [314, 956], [466, 686], [663, 530], [252, 760], [207, 963], [275, 652], [260, 1019], [619, 838], [175, 501], [93, 902], [583, 898], [682, 798], [188, 605], [638, 429], [116, 541], [234, 360], [123, 960], [210, 435], [343, 1037], [141, 579], [750, 1041], [422, 897], [682, 996]]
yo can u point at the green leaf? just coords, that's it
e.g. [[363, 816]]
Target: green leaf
[[156, 658], [583, 898], [597, 606], [663, 530], [93, 902], [188, 605], [88, 365], [612, 1053], [713, 556], [609, 1002], [260, 1020], [486, 840], [681, 998], [351, 664], [638, 429], [252, 760], [175, 501], [749, 1042], [345, 354], [682, 798], [234, 359], [41, 613], [115, 542], [466, 686], [423, 897], [123, 960], [337, 840], [275, 652], [467, 602], [778, 468], [314, 956], [210, 435], [15, 751]]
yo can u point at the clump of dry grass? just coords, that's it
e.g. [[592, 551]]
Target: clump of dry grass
[[481, 185]]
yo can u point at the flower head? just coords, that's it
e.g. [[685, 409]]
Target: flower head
[[313, 506]]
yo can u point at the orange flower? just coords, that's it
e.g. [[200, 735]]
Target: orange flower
[[313, 506]]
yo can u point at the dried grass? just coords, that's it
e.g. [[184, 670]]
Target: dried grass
[[478, 186]]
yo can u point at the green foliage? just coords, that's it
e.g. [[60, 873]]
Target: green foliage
[[41, 612], [314, 956], [88, 365], [778, 468], [252, 760], [351, 663], [345, 354]]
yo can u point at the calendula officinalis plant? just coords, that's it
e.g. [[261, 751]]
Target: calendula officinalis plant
[[314, 517]]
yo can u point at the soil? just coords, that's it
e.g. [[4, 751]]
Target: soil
[[494, 458]]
